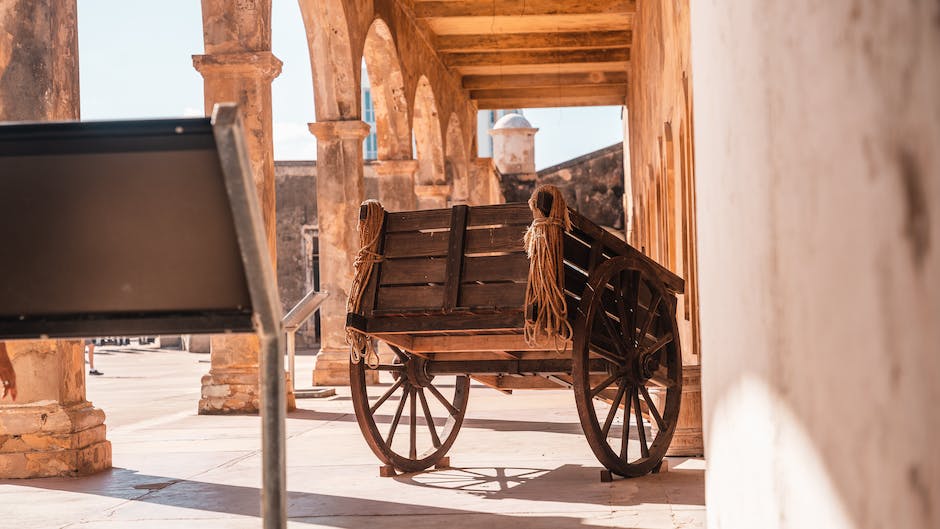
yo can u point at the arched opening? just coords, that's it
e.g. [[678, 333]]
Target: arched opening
[[335, 85], [457, 162], [431, 181]]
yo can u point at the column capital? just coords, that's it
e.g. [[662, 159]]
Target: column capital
[[396, 167], [432, 190], [262, 63], [353, 129]]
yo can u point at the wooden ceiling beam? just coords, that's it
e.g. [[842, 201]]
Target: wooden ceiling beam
[[550, 102], [507, 58], [488, 82], [534, 41], [529, 24], [554, 69], [514, 8], [551, 92]]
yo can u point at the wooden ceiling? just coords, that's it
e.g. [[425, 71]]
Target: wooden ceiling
[[534, 53]]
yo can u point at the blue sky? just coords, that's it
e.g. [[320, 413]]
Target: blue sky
[[135, 62]]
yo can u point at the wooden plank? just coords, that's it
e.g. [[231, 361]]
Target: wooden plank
[[556, 69], [509, 58], [577, 252], [476, 25], [551, 102], [494, 366], [515, 8], [418, 220], [511, 383], [534, 41], [509, 267], [488, 240], [458, 236], [483, 82], [505, 320], [367, 305], [493, 342], [416, 244], [499, 214], [413, 270], [414, 298], [469, 356], [549, 92], [498, 295]]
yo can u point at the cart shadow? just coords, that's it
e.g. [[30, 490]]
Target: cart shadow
[[322, 510], [573, 484]]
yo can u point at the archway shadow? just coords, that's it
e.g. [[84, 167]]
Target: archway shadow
[[303, 507]]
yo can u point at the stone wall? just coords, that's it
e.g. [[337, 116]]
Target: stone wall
[[818, 183], [296, 183], [592, 184], [661, 206]]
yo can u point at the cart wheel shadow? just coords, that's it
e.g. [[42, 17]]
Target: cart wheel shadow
[[567, 483]]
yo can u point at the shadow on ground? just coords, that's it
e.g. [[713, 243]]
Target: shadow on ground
[[332, 510]]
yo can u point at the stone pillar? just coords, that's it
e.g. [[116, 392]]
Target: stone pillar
[[397, 184], [51, 430], [340, 192], [239, 67], [484, 188], [432, 196]]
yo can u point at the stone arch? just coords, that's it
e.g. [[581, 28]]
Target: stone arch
[[336, 81], [457, 162], [431, 181], [388, 93]]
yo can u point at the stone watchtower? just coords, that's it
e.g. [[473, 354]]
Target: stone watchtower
[[514, 147]]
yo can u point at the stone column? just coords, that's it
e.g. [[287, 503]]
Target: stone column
[[339, 195], [397, 184], [239, 67], [51, 430], [484, 188]]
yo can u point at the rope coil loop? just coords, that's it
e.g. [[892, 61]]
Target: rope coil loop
[[370, 229], [547, 312]]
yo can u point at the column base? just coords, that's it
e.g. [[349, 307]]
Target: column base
[[688, 441], [236, 392], [53, 440], [332, 369]]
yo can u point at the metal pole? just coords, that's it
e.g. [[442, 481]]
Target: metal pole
[[273, 433], [291, 350]]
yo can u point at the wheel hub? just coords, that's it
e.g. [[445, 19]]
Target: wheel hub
[[416, 371]]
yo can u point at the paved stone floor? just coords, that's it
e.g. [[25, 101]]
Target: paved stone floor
[[519, 461]]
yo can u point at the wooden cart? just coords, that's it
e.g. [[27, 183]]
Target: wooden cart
[[446, 304]]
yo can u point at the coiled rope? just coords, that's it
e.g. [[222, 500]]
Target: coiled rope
[[545, 290], [370, 228]]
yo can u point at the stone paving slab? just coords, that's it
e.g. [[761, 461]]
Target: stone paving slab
[[520, 460]]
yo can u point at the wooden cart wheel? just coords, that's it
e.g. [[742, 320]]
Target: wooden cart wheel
[[435, 409], [626, 343]]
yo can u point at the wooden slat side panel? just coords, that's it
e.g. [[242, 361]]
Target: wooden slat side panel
[[498, 295], [458, 236], [416, 244], [418, 220], [413, 298], [413, 270], [503, 239], [500, 214], [509, 267], [506, 320]]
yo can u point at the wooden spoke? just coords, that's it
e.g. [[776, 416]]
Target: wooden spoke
[[607, 356], [450, 408], [622, 313], [396, 419], [613, 409], [649, 317], [640, 430], [614, 335], [387, 394], [429, 419], [658, 344], [652, 407], [413, 412], [625, 439], [603, 385]]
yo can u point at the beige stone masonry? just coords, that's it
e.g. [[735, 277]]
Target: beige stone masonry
[[397, 184], [339, 155]]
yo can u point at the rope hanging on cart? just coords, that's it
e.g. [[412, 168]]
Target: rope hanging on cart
[[370, 228], [546, 311]]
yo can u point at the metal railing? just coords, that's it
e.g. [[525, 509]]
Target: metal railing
[[291, 323]]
